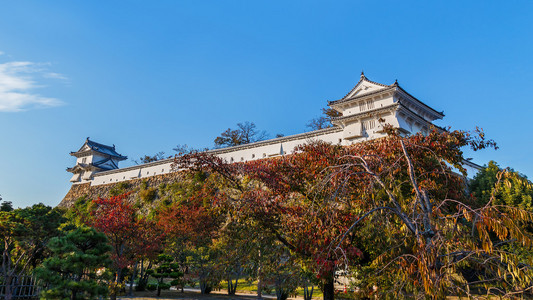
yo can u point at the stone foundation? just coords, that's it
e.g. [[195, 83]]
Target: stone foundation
[[93, 192]]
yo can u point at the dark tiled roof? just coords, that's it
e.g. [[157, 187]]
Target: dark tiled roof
[[101, 148], [441, 113]]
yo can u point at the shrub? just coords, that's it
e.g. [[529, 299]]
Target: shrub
[[148, 195], [151, 286], [164, 286], [119, 189]]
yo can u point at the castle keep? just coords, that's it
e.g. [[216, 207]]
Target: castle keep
[[364, 110]]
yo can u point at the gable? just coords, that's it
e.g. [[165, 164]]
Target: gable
[[364, 86], [84, 148]]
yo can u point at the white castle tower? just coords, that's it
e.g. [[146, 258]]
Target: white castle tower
[[370, 102], [93, 157]]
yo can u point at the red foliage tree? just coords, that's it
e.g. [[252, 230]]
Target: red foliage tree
[[132, 237]]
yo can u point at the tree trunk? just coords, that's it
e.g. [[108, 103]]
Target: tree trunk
[[133, 279], [232, 287], [114, 293], [8, 294], [329, 288], [159, 287], [308, 295], [259, 283], [6, 263]]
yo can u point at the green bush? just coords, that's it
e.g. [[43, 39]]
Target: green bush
[[151, 286], [148, 195], [164, 286], [141, 286], [119, 189]]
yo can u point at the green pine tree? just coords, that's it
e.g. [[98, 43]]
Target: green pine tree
[[508, 186], [166, 268], [76, 269]]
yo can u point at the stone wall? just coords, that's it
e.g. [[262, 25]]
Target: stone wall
[[134, 185]]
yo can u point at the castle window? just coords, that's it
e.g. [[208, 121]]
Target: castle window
[[242, 158], [162, 170], [264, 155], [123, 177], [370, 104], [231, 160], [253, 155], [84, 160], [361, 106], [147, 172]]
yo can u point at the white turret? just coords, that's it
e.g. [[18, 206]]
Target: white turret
[[92, 158]]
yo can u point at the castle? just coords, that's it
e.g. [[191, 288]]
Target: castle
[[363, 112]]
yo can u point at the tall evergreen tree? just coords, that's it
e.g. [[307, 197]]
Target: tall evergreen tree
[[508, 186], [74, 271]]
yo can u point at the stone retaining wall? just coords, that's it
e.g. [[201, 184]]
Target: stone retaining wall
[[93, 192]]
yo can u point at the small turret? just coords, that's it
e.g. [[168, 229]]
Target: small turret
[[92, 158]]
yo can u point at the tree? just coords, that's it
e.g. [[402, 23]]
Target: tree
[[74, 269], [323, 121], [130, 236], [151, 158], [191, 227], [24, 233], [511, 188], [244, 134], [166, 268], [436, 236], [6, 205]]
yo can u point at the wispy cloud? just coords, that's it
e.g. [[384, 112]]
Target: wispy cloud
[[55, 76], [18, 80]]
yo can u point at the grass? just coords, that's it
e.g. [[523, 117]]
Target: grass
[[245, 286]]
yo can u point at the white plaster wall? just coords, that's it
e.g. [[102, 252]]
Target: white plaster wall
[[245, 153], [88, 159]]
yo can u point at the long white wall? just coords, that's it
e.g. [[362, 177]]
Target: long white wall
[[248, 152]]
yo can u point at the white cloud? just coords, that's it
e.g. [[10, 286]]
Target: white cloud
[[55, 76], [17, 82]]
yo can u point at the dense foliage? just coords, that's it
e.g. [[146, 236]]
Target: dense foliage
[[24, 234], [394, 217], [74, 268]]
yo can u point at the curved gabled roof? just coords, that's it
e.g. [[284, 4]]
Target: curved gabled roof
[[99, 148], [360, 82], [395, 87]]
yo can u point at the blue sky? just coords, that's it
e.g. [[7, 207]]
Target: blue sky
[[148, 75]]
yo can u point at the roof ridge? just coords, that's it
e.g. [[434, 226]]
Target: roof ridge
[[388, 87], [99, 144], [361, 79], [420, 101]]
